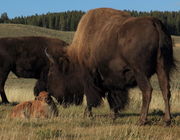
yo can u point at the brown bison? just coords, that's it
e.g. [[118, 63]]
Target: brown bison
[[112, 52], [67, 89], [25, 57], [42, 107]]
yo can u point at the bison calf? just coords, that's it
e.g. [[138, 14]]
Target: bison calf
[[42, 107]]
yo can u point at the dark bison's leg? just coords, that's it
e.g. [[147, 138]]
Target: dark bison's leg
[[145, 87], [163, 78], [3, 78], [41, 84], [116, 114]]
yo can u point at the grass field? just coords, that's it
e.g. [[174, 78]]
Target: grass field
[[70, 124]]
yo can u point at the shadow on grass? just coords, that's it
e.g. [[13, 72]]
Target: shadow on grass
[[9, 104], [153, 113]]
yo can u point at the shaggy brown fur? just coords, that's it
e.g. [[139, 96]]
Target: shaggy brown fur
[[42, 107], [112, 51], [25, 57]]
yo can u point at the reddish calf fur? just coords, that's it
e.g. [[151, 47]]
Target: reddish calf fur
[[42, 107]]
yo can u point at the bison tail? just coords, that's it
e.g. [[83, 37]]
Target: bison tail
[[117, 99], [165, 47]]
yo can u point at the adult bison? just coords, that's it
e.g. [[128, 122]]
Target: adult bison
[[113, 51], [25, 57]]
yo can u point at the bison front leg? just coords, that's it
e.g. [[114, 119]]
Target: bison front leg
[[117, 100], [41, 84], [93, 98], [145, 86], [3, 78]]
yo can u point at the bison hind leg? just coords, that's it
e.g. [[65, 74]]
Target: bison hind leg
[[163, 78]]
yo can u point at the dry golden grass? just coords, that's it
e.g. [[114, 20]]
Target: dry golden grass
[[177, 45], [71, 125], [176, 40]]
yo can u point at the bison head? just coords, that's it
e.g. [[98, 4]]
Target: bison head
[[64, 80]]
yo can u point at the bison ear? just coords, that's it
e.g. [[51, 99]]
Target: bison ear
[[51, 59], [64, 64]]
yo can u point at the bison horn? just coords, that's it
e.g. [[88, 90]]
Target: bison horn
[[49, 56]]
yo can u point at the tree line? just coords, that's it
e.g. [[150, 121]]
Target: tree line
[[64, 21], [68, 21]]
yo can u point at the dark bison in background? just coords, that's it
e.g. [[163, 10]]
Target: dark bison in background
[[25, 57], [112, 52]]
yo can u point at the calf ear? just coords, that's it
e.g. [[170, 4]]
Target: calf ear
[[51, 59], [64, 64]]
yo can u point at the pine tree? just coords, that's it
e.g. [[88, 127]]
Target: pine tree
[[4, 17]]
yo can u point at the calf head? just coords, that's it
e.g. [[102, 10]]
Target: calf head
[[44, 97]]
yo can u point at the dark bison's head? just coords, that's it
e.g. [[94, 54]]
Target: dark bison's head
[[64, 81]]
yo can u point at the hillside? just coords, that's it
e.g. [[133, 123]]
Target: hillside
[[13, 30]]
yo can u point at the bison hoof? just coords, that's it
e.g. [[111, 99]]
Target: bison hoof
[[167, 123], [115, 116], [88, 114], [5, 102], [142, 122]]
